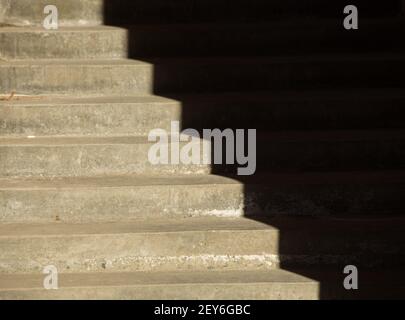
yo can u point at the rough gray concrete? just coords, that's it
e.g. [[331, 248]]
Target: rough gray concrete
[[101, 199], [70, 43], [198, 244], [158, 245], [87, 156], [100, 116], [129, 77], [74, 13], [274, 284], [137, 115], [76, 77], [82, 195]]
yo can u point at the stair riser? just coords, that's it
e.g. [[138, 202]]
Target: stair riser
[[200, 250], [139, 252], [101, 119], [116, 119], [77, 79], [319, 153], [328, 155], [261, 40], [117, 204], [66, 45], [273, 75], [87, 160], [255, 291], [200, 40], [120, 159], [376, 286], [197, 77], [127, 203], [75, 12], [295, 112]]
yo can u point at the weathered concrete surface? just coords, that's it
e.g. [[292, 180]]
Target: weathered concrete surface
[[126, 198], [3, 10], [118, 198], [75, 13], [234, 285], [200, 243], [129, 77], [76, 77], [271, 284], [187, 40], [88, 156], [160, 245], [101, 116], [114, 116], [70, 43], [105, 222]]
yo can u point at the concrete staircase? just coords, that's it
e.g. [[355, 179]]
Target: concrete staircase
[[77, 190]]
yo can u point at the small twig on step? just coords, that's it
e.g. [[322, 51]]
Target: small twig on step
[[11, 96]]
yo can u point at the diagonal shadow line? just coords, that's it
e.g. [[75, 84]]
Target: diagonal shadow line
[[223, 113]]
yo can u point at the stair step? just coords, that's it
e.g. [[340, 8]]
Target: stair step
[[72, 13], [327, 150], [310, 109], [274, 73], [141, 245], [78, 191], [287, 151], [101, 42], [76, 77], [129, 77], [87, 156], [286, 37], [24, 116], [124, 198], [208, 285], [93, 12], [98, 116], [201, 243], [292, 37], [235, 285]]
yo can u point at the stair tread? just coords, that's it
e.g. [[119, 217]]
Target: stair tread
[[276, 136], [353, 57], [328, 225], [72, 62], [307, 178], [62, 29], [300, 22], [138, 226], [154, 278], [25, 100], [291, 37], [66, 280], [63, 141], [305, 284], [343, 94]]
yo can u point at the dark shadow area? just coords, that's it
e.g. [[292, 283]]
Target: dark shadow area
[[324, 111]]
